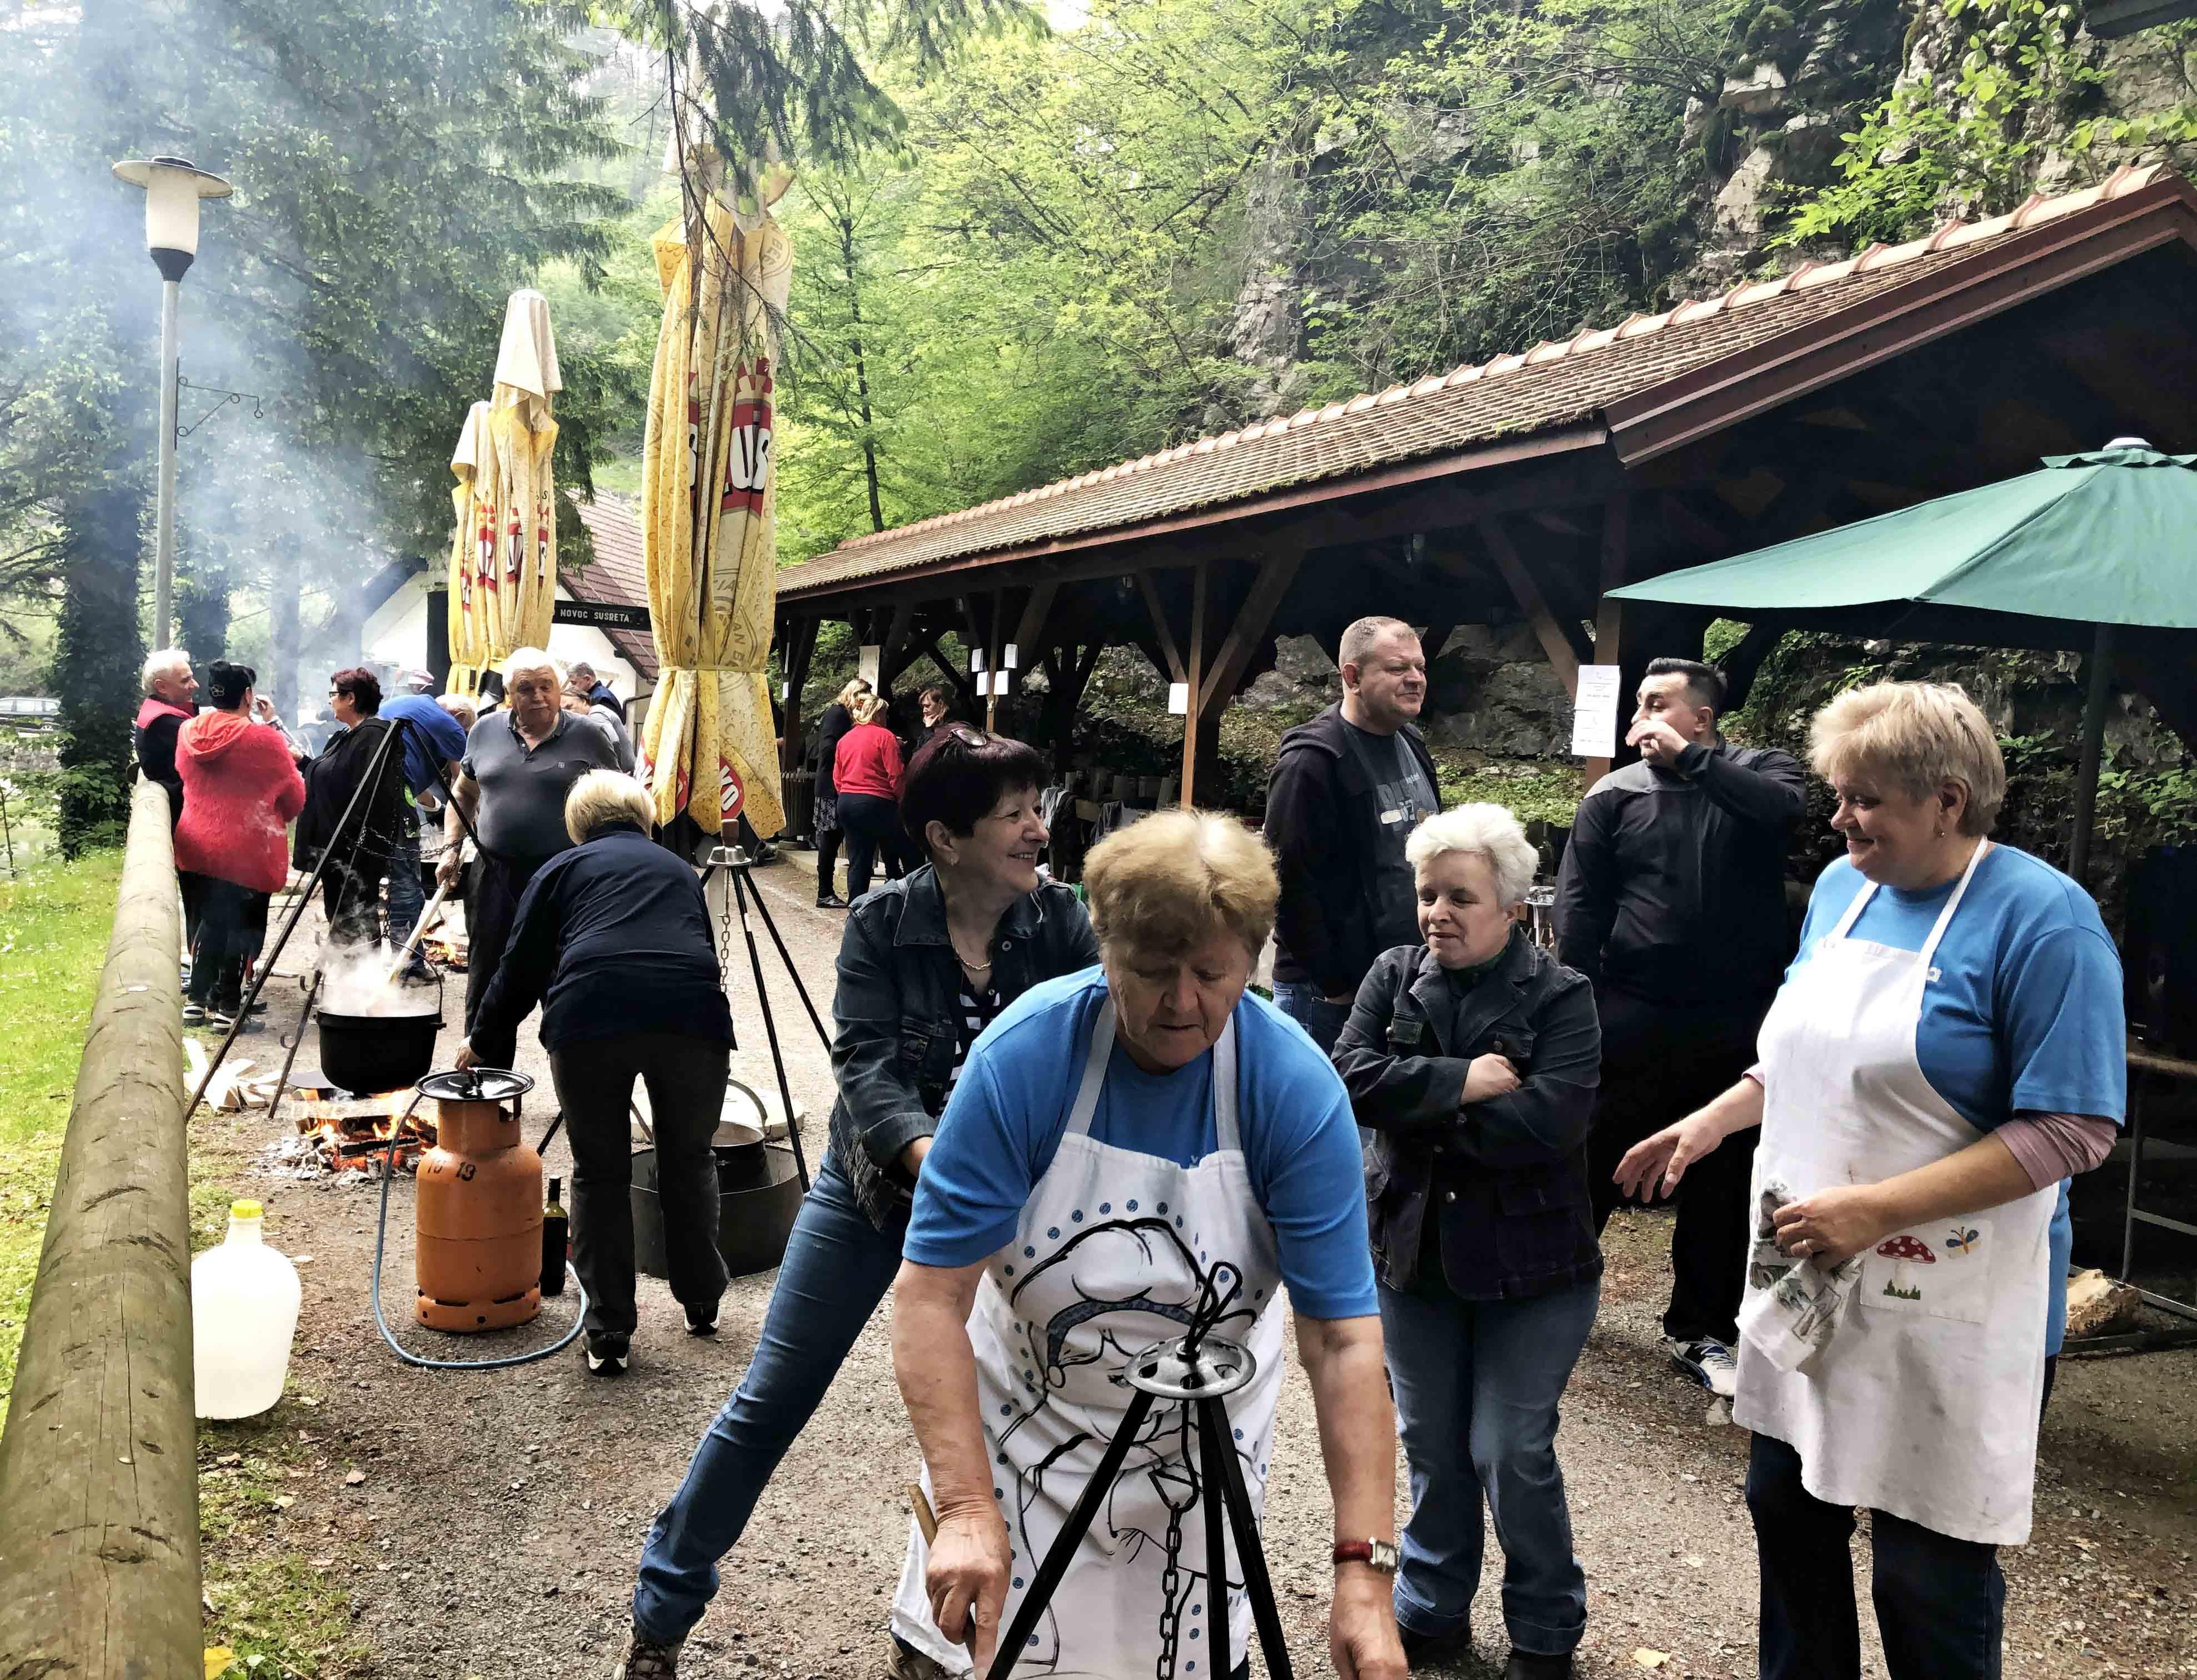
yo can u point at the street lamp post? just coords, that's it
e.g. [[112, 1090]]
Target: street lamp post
[[173, 187]]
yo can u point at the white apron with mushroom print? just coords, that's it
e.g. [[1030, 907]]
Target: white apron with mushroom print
[[1107, 1259], [1924, 1401]]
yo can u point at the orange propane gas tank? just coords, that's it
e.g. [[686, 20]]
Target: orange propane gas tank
[[479, 1209]]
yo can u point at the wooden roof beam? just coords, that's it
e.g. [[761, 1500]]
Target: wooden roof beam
[[1564, 654]]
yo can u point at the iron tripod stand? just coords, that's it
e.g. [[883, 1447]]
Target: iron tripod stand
[[737, 865], [1201, 1370]]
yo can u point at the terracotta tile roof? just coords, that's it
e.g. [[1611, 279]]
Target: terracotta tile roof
[[1554, 384], [619, 574]]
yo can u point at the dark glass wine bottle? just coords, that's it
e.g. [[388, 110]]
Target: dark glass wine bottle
[[553, 1228]]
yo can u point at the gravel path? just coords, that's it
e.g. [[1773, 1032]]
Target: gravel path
[[501, 1514]]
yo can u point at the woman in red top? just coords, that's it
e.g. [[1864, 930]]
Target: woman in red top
[[240, 788], [866, 771]]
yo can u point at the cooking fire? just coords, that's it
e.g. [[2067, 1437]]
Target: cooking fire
[[348, 1136]]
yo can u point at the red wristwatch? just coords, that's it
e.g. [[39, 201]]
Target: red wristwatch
[[1377, 1555]]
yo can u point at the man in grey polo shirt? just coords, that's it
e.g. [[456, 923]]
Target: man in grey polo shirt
[[520, 764]]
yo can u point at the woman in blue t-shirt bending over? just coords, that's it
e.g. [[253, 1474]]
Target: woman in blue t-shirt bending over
[[1948, 1046], [1133, 1151]]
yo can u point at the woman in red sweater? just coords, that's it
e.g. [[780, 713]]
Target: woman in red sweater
[[240, 788], [866, 771]]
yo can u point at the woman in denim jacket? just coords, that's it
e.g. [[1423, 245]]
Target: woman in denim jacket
[[1473, 1059], [924, 965]]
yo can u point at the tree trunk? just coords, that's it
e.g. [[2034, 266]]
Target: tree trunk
[[97, 655], [861, 371], [202, 611]]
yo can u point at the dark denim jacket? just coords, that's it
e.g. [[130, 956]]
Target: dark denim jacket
[[1508, 1176], [896, 1016]]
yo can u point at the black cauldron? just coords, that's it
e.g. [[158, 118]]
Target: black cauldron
[[367, 1053]]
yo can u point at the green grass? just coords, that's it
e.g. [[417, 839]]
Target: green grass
[[276, 1611], [54, 919]]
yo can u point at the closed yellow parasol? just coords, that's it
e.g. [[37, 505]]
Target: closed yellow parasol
[[503, 557], [707, 508]]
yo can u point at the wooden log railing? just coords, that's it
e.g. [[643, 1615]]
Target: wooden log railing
[[99, 1527]]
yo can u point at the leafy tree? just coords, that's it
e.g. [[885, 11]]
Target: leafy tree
[[2023, 84], [398, 167]]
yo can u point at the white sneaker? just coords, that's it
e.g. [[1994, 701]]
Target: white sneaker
[[1708, 1362]]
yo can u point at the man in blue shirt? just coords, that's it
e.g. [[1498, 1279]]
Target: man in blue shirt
[[434, 741]]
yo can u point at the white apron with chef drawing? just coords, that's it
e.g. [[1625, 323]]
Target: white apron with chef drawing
[[1924, 1401], [1108, 1259]]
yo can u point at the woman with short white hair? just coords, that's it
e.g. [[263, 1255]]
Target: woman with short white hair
[[1473, 1058], [1948, 1046], [612, 938]]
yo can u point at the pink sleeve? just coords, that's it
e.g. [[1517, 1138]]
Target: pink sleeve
[[2051, 1147]]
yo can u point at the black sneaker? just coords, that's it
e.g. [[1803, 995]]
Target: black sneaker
[[194, 1015], [259, 1006], [1707, 1361], [830, 901], [607, 1355], [646, 1659], [219, 1019], [702, 1321], [1423, 1652], [1538, 1666]]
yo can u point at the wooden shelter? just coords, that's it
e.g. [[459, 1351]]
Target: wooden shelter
[[1530, 485]]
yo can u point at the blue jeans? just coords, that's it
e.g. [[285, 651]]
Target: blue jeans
[[406, 901], [1940, 1602], [1477, 1384], [837, 1269], [1299, 999]]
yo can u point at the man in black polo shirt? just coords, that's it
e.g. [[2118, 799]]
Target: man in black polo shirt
[[1671, 900], [520, 764]]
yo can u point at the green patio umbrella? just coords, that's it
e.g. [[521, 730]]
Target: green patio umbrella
[[2060, 558]]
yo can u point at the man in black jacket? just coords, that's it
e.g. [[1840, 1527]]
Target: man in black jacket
[[1347, 790], [1671, 900]]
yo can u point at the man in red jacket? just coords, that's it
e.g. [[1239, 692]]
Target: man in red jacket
[[240, 788]]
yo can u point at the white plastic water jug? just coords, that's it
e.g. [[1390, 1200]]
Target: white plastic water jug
[[244, 1311]]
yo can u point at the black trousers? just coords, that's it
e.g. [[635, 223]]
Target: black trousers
[[231, 926], [491, 906], [1658, 1065], [873, 826], [685, 1079], [1940, 1602]]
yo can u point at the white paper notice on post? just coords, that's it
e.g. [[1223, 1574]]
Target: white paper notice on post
[[1594, 714]]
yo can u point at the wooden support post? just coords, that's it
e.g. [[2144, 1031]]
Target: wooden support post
[[1194, 671], [798, 651], [1246, 633], [1029, 629], [1564, 655], [890, 664], [1609, 615], [991, 661], [1161, 629], [99, 1542]]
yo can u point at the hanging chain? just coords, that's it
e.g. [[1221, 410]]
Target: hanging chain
[[1171, 1574]]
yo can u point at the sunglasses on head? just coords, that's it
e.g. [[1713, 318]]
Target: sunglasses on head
[[969, 735]]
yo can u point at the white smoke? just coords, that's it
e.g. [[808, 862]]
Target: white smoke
[[355, 981]]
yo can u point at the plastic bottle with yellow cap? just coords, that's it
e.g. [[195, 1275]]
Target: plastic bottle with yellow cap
[[244, 1312]]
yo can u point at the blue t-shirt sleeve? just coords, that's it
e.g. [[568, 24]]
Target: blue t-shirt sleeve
[[1314, 1194], [1307, 1166], [980, 1172], [2065, 1031]]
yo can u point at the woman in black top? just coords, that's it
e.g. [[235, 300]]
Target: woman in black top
[[612, 939], [837, 718], [924, 963], [359, 852], [1473, 1059]]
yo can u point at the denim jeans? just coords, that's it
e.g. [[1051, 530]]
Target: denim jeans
[[406, 900], [1940, 1602], [1299, 999], [1477, 1385], [837, 1269]]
